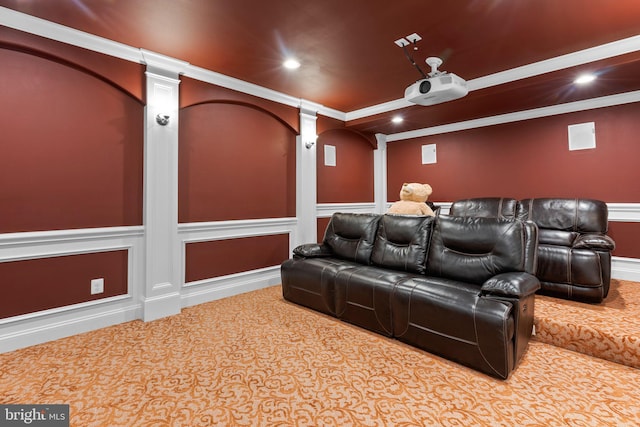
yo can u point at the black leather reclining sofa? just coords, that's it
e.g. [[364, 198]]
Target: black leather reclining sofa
[[574, 250], [459, 287]]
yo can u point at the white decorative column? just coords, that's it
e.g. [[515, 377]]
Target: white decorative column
[[380, 173], [161, 293], [306, 181]]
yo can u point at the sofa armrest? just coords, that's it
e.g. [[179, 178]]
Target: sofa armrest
[[514, 284], [594, 241], [312, 250]]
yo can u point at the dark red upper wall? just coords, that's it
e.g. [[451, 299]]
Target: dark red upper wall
[[351, 180], [194, 92], [531, 159], [126, 75], [236, 158], [72, 139], [528, 159]]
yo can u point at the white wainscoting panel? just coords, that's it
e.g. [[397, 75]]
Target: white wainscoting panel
[[202, 291], [46, 325], [325, 210]]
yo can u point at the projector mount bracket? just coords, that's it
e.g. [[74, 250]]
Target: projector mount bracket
[[432, 61]]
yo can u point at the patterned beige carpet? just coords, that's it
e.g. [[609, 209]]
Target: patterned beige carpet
[[610, 330], [256, 360]]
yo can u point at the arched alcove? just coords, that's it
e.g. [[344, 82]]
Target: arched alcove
[[72, 146], [236, 161]]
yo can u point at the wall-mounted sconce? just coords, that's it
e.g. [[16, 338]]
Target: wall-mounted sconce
[[309, 140], [162, 119]]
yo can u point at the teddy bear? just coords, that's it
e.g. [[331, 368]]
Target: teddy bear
[[412, 200]]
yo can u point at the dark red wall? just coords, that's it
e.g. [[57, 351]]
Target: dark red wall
[[351, 180], [45, 283], [531, 159], [237, 158], [72, 141], [626, 236], [322, 226], [236, 161], [194, 92], [528, 159], [71, 157], [206, 260], [125, 75]]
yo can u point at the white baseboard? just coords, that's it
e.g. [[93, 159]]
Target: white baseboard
[[25, 331], [157, 307], [625, 268], [37, 330], [202, 291]]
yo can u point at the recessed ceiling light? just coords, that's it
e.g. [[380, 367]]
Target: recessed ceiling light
[[584, 79], [397, 119], [291, 64]]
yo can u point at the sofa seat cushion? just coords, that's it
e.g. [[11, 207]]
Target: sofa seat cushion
[[311, 281], [402, 242], [444, 317], [363, 296], [351, 236]]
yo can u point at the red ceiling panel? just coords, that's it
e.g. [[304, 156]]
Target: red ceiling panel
[[349, 60]]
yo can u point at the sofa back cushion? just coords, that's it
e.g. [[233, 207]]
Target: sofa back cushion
[[571, 215], [485, 207], [472, 250], [351, 236], [402, 242]]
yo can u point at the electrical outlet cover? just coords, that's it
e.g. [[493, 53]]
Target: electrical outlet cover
[[97, 286]]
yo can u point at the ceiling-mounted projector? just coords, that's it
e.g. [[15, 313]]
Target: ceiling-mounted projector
[[434, 90], [439, 87]]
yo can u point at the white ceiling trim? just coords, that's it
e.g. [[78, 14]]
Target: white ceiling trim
[[50, 30], [569, 107], [607, 50]]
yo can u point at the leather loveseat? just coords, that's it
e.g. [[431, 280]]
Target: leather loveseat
[[574, 252], [461, 288]]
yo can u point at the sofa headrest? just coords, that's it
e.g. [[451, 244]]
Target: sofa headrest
[[351, 236], [472, 250], [402, 242], [579, 215], [486, 207]]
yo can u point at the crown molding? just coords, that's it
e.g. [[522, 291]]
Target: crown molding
[[162, 64], [218, 79], [385, 107], [607, 50], [596, 53], [569, 107], [50, 30]]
